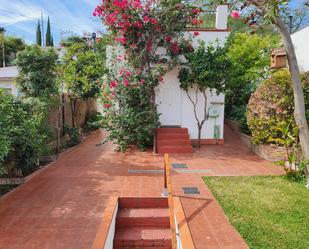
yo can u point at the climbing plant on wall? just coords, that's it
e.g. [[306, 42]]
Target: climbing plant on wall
[[140, 29], [203, 73]]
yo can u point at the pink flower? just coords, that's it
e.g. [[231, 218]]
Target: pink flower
[[113, 84], [149, 45], [138, 24], [196, 11], [153, 21], [107, 106], [168, 38], [122, 40], [98, 11], [196, 33], [146, 19], [161, 78], [235, 14], [194, 21], [126, 83], [128, 73]]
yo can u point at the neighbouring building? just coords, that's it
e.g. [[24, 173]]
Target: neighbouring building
[[300, 40], [8, 77]]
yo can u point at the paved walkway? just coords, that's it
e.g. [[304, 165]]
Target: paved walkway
[[63, 206]]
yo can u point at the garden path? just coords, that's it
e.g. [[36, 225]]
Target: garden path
[[63, 206]]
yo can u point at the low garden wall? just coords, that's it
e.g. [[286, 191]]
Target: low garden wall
[[269, 152]]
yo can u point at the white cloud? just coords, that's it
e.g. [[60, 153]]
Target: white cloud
[[13, 12]]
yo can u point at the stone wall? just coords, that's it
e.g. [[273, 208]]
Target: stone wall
[[269, 152]]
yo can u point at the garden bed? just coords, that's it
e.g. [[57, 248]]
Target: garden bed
[[268, 212], [269, 152], [6, 188]]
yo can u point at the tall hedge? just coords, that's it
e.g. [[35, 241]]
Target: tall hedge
[[272, 105]]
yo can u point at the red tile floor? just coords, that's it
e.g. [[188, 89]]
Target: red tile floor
[[62, 206]]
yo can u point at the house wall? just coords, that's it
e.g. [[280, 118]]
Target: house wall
[[9, 84], [177, 106], [167, 99], [300, 40]]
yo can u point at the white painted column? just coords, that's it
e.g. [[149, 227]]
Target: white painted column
[[221, 16]]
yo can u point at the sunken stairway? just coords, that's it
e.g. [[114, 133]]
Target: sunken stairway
[[142, 223], [173, 140]]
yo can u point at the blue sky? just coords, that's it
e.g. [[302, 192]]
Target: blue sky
[[19, 17]]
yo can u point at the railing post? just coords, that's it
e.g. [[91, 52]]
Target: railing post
[[168, 178], [221, 16], [165, 192]]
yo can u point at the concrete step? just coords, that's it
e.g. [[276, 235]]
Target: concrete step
[[175, 149], [172, 130], [166, 136], [149, 237], [143, 217], [134, 202], [174, 141]]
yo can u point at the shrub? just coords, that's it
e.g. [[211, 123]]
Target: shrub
[[74, 136], [23, 134], [37, 72], [249, 55], [93, 121], [271, 107]]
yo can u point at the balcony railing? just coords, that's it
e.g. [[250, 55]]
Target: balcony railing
[[205, 20]]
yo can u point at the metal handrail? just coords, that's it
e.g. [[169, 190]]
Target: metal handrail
[[168, 186]]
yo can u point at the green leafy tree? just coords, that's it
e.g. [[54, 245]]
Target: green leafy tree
[[82, 69], [23, 134], [271, 11], [12, 45], [204, 72], [49, 39], [249, 57], [38, 34], [37, 72]]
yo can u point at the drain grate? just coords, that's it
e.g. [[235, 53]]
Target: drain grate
[[179, 165], [146, 171], [190, 190]]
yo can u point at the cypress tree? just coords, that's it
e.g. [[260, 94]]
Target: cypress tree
[[38, 34], [48, 35], [52, 41]]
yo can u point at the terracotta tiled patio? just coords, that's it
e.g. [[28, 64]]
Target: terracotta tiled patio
[[63, 206]]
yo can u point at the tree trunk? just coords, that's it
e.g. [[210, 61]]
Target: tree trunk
[[199, 137], [73, 110], [299, 102]]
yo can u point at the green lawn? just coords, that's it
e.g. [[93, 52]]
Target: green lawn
[[269, 212]]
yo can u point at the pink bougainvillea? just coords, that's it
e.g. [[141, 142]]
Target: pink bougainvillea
[[235, 14]]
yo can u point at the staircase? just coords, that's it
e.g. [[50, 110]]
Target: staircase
[[173, 140], [143, 223]]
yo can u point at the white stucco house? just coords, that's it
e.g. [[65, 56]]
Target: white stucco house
[[178, 124], [173, 103], [8, 77], [300, 40]]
